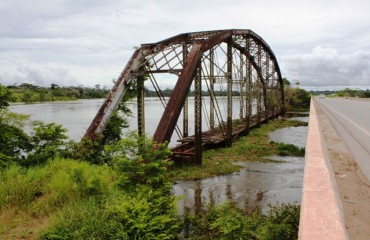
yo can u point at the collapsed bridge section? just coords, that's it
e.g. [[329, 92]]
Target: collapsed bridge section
[[232, 69]]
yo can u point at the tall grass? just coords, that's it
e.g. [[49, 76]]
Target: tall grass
[[41, 192]]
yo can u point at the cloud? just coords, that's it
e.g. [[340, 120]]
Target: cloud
[[39, 75], [328, 67], [90, 42]]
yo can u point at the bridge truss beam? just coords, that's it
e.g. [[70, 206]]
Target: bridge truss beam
[[237, 62]]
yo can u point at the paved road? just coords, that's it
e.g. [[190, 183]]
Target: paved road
[[351, 118]]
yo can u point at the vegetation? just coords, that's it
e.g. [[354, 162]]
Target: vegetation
[[29, 93], [347, 92], [229, 222], [296, 98]]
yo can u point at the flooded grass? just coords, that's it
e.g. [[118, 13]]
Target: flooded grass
[[254, 147], [290, 150]]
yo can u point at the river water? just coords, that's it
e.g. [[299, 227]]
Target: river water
[[76, 116], [257, 185]]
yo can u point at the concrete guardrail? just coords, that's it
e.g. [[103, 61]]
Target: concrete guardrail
[[321, 209]]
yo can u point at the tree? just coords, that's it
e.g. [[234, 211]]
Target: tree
[[5, 97], [286, 82], [54, 86], [296, 98]]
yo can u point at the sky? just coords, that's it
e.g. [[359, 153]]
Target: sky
[[322, 44]]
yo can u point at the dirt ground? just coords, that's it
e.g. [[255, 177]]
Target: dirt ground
[[353, 187]]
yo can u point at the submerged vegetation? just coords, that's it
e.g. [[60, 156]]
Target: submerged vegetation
[[54, 188]]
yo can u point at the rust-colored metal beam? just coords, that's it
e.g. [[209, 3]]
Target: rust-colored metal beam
[[110, 104], [172, 111]]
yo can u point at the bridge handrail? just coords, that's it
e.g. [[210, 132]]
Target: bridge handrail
[[321, 209]]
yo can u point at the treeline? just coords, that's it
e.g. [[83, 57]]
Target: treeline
[[168, 92], [32, 93], [354, 93], [29, 93], [347, 92]]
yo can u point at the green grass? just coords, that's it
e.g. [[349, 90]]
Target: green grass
[[255, 146], [31, 198]]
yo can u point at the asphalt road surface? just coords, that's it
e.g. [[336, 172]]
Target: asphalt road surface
[[351, 119]]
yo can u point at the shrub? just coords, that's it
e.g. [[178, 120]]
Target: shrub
[[229, 222], [296, 98], [148, 214], [140, 161]]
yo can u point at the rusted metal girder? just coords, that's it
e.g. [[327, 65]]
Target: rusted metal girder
[[172, 111], [110, 104]]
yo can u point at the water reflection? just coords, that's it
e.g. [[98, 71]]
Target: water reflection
[[256, 186], [292, 135]]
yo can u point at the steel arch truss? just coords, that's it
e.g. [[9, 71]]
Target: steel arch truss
[[236, 62]]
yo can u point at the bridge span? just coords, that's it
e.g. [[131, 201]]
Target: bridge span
[[336, 190], [222, 64]]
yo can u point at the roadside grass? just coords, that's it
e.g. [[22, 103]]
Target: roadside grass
[[255, 146]]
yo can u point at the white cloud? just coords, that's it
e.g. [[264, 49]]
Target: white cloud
[[89, 42], [328, 67]]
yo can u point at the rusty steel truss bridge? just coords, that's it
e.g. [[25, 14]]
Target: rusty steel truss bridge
[[235, 69]]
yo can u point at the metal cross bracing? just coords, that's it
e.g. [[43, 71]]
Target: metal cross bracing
[[237, 71]]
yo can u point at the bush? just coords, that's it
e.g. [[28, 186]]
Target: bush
[[140, 162], [147, 214], [229, 222], [296, 99]]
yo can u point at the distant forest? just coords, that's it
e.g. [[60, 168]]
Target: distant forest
[[29, 93], [347, 92]]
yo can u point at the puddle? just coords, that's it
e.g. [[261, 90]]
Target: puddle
[[303, 119], [291, 135], [257, 185]]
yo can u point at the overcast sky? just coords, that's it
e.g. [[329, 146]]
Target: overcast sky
[[320, 43]]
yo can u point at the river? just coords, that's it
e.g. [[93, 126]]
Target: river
[[76, 116]]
